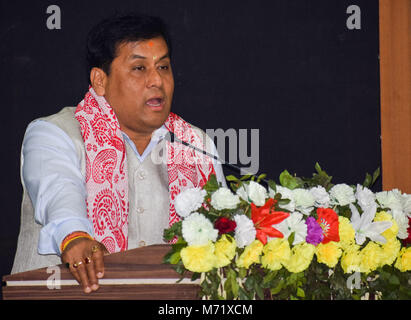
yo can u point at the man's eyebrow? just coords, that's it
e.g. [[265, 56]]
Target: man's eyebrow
[[137, 56]]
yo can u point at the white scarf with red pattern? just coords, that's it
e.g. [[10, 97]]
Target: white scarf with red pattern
[[106, 168]]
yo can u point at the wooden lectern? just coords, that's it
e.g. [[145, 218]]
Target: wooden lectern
[[133, 274]]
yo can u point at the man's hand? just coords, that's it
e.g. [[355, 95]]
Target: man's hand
[[85, 260]]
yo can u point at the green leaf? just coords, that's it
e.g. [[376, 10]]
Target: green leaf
[[232, 178], [231, 285], [269, 277], [179, 267], [368, 180], [277, 288], [321, 178], [235, 287], [166, 258], [243, 295], [284, 201], [174, 231], [277, 196], [394, 280], [261, 177], [259, 290], [300, 293], [242, 273], [246, 177], [175, 257], [272, 185], [291, 238], [375, 175], [212, 184], [195, 276], [287, 180], [249, 283]]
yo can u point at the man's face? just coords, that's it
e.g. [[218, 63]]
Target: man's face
[[140, 85]]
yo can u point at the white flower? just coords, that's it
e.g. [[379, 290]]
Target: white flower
[[321, 197], [245, 231], [253, 192], [304, 200], [342, 194], [294, 223], [285, 194], [223, 198], [242, 193], [402, 221], [365, 197], [189, 201], [365, 227], [390, 199], [198, 230], [406, 204]]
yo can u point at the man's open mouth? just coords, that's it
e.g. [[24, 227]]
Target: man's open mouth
[[155, 102]]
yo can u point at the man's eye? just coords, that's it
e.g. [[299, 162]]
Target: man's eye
[[139, 68]]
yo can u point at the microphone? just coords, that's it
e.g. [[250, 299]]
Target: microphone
[[173, 138]]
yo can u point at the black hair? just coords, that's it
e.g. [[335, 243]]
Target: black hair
[[104, 38]]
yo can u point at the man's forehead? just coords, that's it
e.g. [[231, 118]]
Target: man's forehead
[[136, 49], [150, 43]]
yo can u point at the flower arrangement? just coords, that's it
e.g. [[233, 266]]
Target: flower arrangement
[[303, 238]]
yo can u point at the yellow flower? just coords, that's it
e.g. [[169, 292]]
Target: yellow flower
[[276, 252], [198, 258], [328, 253], [224, 251], [346, 232], [251, 254], [301, 257], [403, 262], [371, 257], [351, 259], [391, 233], [389, 251]]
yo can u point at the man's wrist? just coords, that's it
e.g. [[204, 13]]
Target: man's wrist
[[72, 236]]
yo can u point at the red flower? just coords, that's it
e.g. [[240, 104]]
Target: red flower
[[407, 241], [224, 225], [328, 220], [264, 217]]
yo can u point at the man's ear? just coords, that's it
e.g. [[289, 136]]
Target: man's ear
[[98, 79]]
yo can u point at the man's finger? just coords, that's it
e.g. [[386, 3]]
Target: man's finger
[[82, 273], [91, 273], [104, 249], [74, 273], [98, 263]]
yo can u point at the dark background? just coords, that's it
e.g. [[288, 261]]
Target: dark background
[[291, 69]]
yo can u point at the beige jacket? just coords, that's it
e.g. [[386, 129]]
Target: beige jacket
[[148, 199]]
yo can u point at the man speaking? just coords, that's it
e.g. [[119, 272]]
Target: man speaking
[[90, 182]]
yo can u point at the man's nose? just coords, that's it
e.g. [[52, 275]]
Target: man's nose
[[154, 79]]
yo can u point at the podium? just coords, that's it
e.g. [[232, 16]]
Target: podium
[[133, 274]]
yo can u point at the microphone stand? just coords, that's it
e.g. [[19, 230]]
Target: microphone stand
[[237, 169]]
